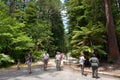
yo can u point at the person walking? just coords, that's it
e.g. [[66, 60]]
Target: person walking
[[45, 60], [61, 60], [18, 64], [94, 63], [58, 60], [29, 62], [82, 61]]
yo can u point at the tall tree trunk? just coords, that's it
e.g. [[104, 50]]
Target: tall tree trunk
[[112, 41]]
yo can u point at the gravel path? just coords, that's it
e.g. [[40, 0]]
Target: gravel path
[[51, 74]]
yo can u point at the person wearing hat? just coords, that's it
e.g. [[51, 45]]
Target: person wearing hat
[[94, 64]]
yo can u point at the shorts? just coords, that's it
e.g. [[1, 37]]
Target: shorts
[[45, 61]]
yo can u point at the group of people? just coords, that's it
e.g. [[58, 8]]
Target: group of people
[[58, 60], [94, 64], [28, 61]]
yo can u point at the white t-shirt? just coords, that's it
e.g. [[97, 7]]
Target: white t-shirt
[[46, 56], [57, 57], [82, 60]]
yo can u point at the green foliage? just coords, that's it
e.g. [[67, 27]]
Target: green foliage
[[34, 26], [5, 60], [50, 12], [37, 55], [12, 36], [88, 39], [86, 27]]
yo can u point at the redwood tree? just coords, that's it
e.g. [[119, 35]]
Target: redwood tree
[[112, 41]]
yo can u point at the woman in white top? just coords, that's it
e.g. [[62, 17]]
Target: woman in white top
[[82, 61], [45, 58]]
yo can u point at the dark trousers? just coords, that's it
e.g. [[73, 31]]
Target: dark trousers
[[94, 71]]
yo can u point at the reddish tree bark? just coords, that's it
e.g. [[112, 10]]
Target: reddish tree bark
[[112, 40]]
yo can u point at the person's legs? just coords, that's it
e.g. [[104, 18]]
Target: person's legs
[[82, 69], [61, 65], [58, 64], [18, 66], [29, 68], [45, 64], [93, 71], [96, 71]]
